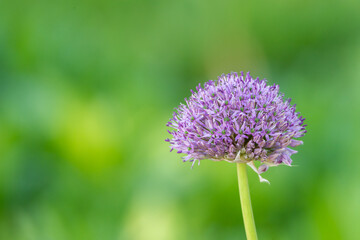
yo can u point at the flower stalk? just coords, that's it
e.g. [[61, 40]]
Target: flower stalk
[[245, 200]]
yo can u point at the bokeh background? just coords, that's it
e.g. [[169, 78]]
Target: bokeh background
[[86, 88]]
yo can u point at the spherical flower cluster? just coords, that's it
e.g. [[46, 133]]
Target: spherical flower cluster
[[237, 119]]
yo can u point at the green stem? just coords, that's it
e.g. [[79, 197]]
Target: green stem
[[245, 200]]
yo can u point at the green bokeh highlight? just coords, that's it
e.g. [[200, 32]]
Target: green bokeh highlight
[[86, 88]]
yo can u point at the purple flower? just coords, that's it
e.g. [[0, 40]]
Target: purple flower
[[237, 119]]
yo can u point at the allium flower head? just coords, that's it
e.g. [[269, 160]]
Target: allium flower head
[[237, 119]]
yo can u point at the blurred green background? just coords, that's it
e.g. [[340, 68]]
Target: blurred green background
[[86, 88]]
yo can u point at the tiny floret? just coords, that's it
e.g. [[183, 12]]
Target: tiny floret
[[237, 119]]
